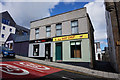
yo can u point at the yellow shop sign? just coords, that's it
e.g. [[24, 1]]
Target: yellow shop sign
[[81, 36]]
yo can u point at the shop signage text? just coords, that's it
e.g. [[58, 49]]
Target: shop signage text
[[81, 36]]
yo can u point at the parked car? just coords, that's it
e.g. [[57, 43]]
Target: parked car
[[6, 52]]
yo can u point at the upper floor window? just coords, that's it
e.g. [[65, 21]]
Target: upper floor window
[[3, 27], [37, 33], [48, 31], [58, 29], [10, 29], [74, 26], [4, 21], [2, 35]]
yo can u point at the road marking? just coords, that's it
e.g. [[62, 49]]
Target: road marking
[[18, 69], [67, 78], [10, 69]]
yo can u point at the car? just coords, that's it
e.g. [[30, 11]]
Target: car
[[6, 52]]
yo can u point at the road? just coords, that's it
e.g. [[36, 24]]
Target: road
[[15, 69]]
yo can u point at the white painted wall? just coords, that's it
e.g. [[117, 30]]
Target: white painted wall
[[6, 32], [41, 50]]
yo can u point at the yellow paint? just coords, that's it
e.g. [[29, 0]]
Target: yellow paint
[[81, 36]]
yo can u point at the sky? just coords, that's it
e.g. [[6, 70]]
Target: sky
[[23, 12]]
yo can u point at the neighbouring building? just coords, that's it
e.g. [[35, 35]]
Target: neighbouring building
[[98, 51], [105, 55], [8, 26], [113, 32], [66, 37], [20, 44]]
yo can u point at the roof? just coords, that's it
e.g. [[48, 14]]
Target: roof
[[57, 14], [7, 16], [18, 27], [18, 38], [22, 38]]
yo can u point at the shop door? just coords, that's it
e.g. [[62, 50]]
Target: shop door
[[47, 51], [58, 51]]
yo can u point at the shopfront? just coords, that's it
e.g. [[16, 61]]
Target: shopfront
[[74, 48], [41, 49]]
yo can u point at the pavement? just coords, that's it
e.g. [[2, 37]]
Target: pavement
[[32, 72], [74, 68], [99, 65]]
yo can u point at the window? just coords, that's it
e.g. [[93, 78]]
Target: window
[[4, 21], [3, 27], [74, 26], [75, 49], [48, 31], [58, 29], [35, 50], [10, 29], [37, 33], [3, 36]]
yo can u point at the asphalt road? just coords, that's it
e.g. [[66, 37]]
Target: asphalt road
[[59, 75]]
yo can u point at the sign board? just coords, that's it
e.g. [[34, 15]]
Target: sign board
[[72, 37]]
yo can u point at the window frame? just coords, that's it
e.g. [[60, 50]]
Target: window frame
[[59, 29], [3, 35], [3, 27], [36, 33], [10, 29], [47, 31], [75, 49], [74, 27]]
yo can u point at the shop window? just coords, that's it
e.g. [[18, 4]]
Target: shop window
[[75, 49], [74, 27], [58, 29], [37, 33], [35, 50], [48, 31]]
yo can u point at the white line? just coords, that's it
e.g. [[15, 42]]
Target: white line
[[67, 78]]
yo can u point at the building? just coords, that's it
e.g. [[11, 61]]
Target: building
[[105, 55], [113, 32], [98, 51], [66, 37], [20, 44], [8, 26]]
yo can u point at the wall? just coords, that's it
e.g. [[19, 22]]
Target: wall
[[6, 32], [21, 48], [41, 49], [113, 29], [65, 19]]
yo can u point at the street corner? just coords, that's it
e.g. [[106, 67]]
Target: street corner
[[24, 70]]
